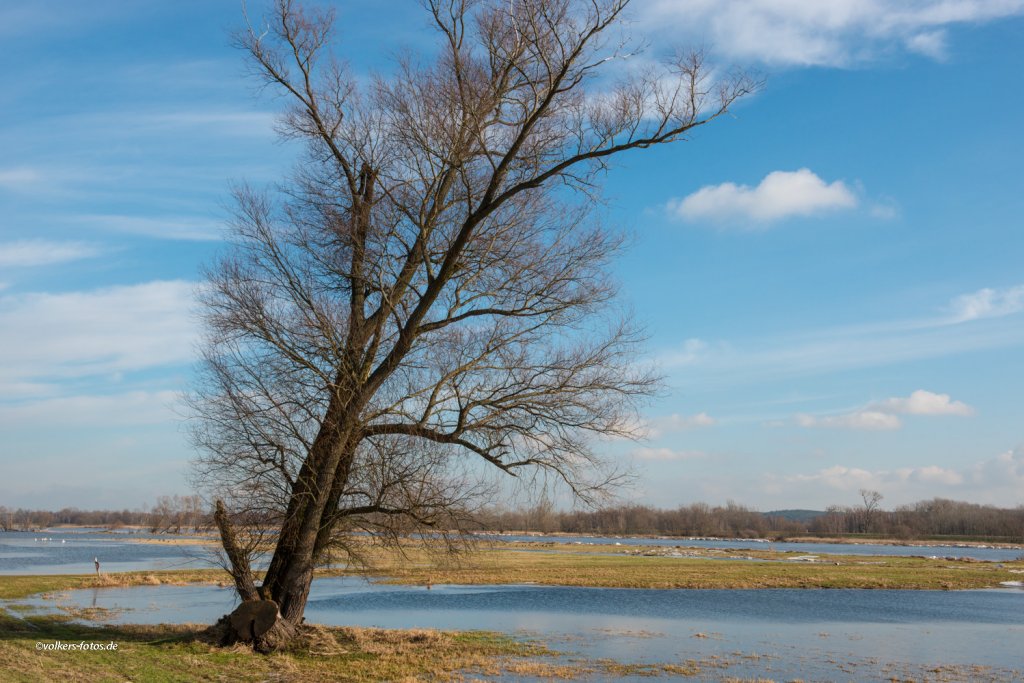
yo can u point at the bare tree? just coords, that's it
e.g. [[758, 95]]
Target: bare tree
[[426, 299], [869, 509]]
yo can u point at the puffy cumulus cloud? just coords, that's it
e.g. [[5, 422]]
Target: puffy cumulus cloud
[[57, 336], [987, 303], [884, 415], [666, 454], [28, 253], [816, 32], [865, 420], [1004, 470], [932, 474], [780, 195], [844, 478], [996, 480], [923, 402]]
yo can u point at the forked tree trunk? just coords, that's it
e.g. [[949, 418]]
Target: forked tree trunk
[[289, 577]]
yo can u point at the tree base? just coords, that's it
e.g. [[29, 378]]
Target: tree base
[[257, 623]]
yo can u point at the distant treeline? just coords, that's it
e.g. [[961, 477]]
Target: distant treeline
[[937, 517], [170, 514], [925, 519]]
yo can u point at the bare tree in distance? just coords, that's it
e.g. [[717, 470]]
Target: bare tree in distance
[[869, 510], [425, 301]]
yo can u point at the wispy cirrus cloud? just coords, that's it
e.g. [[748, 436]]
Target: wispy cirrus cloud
[[664, 454], [862, 420], [836, 33], [122, 409], [19, 178], [780, 195], [57, 336], [184, 228], [985, 319], [28, 253]]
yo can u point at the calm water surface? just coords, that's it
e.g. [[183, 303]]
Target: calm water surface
[[780, 634], [72, 552]]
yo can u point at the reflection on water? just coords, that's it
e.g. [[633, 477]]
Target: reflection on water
[[781, 634]]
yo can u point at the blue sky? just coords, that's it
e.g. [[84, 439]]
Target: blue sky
[[831, 278]]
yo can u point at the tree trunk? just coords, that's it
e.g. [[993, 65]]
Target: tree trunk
[[291, 585], [256, 622], [240, 571]]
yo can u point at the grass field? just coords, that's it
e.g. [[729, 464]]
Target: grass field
[[618, 567], [606, 567]]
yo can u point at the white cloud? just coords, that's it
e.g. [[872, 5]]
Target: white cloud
[[930, 44], [973, 322], [666, 454], [1006, 470], [819, 32], [933, 474], [883, 415], [168, 228], [923, 402], [665, 424], [987, 303], [131, 408], [865, 420], [26, 253], [99, 332], [780, 195], [838, 477], [998, 480], [845, 478], [18, 178], [254, 123], [691, 352]]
